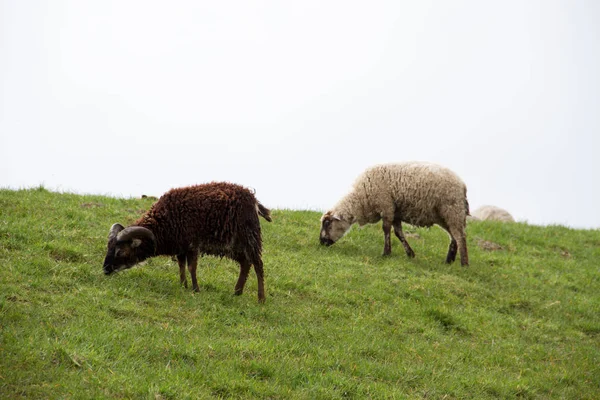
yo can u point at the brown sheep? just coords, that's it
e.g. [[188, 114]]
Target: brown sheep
[[216, 218]]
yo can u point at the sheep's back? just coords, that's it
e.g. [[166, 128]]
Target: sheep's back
[[417, 190], [218, 218]]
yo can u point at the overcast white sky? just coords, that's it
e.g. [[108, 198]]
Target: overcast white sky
[[295, 99]]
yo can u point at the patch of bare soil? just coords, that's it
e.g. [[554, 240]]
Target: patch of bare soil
[[487, 245]]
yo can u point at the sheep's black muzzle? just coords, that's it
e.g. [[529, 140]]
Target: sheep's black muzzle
[[108, 269], [326, 241], [108, 266]]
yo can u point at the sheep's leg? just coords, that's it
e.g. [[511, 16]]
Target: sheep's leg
[[260, 276], [400, 236], [464, 255], [387, 244], [244, 270], [192, 263], [452, 248], [461, 239], [182, 278], [451, 251]]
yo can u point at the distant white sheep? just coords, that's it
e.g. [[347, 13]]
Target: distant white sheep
[[418, 193], [492, 213]]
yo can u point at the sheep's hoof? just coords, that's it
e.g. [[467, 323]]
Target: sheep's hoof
[[196, 289], [410, 254], [261, 300], [238, 293]]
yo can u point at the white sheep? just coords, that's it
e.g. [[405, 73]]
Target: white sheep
[[418, 193], [492, 213]]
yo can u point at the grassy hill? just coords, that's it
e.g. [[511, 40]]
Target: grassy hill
[[340, 322]]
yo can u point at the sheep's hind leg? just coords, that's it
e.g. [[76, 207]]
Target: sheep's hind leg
[[400, 236], [460, 241], [452, 249], [462, 248], [182, 278], [387, 242], [192, 262], [260, 276], [244, 270]]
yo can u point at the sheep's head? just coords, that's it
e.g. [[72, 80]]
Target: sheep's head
[[127, 246], [333, 227]]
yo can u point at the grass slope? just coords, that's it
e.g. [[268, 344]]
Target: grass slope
[[339, 322]]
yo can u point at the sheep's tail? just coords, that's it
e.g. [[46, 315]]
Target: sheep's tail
[[263, 211], [466, 203]]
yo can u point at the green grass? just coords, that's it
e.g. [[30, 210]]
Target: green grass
[[339, 322]]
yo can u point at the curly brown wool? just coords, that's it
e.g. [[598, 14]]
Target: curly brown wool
[[217, 218]]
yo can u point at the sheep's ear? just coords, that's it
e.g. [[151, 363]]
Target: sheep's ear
[[336, 217], [135, 243]]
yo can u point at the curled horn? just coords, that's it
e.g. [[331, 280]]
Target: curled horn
[[136, 232], [114, 231]]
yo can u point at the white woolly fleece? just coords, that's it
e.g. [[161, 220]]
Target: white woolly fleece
[[418, 193], [493, 213]]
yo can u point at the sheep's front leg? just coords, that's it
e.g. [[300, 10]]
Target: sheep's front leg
[[192, 263], [182, 277], [400, 236], [387, 246]]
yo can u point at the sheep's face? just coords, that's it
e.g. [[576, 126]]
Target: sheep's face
[[332, 228], [127, 247], [120, 256]]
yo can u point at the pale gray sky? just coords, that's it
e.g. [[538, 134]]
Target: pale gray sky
[[295, 99]]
